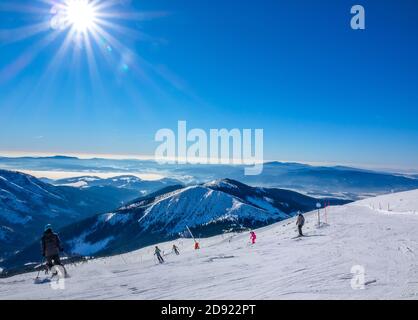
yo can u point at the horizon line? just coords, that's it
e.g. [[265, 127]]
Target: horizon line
[[89, 156]]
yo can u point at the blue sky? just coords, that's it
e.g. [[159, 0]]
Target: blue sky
[[321, 91]]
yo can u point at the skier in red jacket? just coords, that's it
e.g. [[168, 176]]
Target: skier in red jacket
[[252, 237]]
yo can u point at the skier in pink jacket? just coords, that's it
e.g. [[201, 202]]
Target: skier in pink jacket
[[252, 237]]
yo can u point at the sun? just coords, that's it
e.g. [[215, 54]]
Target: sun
[[80, 32], [80, 15]]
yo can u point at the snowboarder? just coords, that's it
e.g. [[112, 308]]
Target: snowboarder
[[51, 247], [158, 254], [196, 245], [252, 237], [300, 221], [176, 250]]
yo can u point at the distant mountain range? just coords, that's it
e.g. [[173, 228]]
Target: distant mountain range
[[130, 182], [318, 181], [207, 209], [337, 181]]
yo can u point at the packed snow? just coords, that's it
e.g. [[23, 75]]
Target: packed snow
[[323, 265]]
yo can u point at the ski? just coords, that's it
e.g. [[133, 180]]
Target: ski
[[297, 237], [40, 280]]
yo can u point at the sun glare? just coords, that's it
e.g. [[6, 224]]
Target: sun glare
[[83, 30], [80, 14]]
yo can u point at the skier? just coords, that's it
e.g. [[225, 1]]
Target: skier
[[158, 254], [300, 221], [51, 247], [176, 250], [196, 245], [252, 237]]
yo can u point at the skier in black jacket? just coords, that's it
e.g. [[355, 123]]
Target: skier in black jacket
[[300, 221], [51, 247]]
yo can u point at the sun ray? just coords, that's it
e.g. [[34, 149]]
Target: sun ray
[[16, 6], [92, 64], [25, 58], [8, 36], [126, 31], [136, 16], [59, 55], [104, 5], [49, 75], [115, 43]]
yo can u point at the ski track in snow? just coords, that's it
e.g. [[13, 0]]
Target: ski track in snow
[[278, 266]]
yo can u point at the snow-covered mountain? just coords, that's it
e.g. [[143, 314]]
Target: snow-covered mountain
[[208, 209], [364, 252], [27, 204], [129, 182]]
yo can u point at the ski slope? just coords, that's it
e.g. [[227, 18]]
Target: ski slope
[[278, 266]]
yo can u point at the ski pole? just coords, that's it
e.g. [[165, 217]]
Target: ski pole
[[39, 271], [69, 256], [123, 259]]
